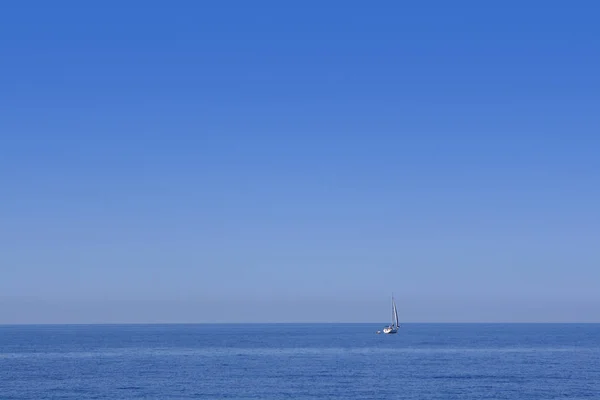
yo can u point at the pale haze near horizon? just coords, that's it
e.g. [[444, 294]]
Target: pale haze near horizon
[[277, 165]]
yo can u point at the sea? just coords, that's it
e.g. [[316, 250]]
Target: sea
[[300, 361]]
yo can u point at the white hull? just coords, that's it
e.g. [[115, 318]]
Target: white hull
[[390, 330]]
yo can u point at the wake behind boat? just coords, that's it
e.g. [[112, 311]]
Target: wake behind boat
[[393, 328]]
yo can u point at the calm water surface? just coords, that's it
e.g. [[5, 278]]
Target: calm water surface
[[313, 361]]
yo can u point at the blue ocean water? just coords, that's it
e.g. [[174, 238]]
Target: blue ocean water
[[300, 361]]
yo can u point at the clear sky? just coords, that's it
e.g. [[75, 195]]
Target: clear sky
[[235, 161]]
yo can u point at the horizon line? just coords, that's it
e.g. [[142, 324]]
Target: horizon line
[[299, 323]]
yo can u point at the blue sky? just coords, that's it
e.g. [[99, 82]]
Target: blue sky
[[234, 161]]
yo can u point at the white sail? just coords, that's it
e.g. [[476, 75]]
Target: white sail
[[396, 315]]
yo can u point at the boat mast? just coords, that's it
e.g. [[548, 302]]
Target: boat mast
[[394, 313], [392, 309]]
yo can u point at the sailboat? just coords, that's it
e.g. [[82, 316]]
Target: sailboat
[[393, 328]]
